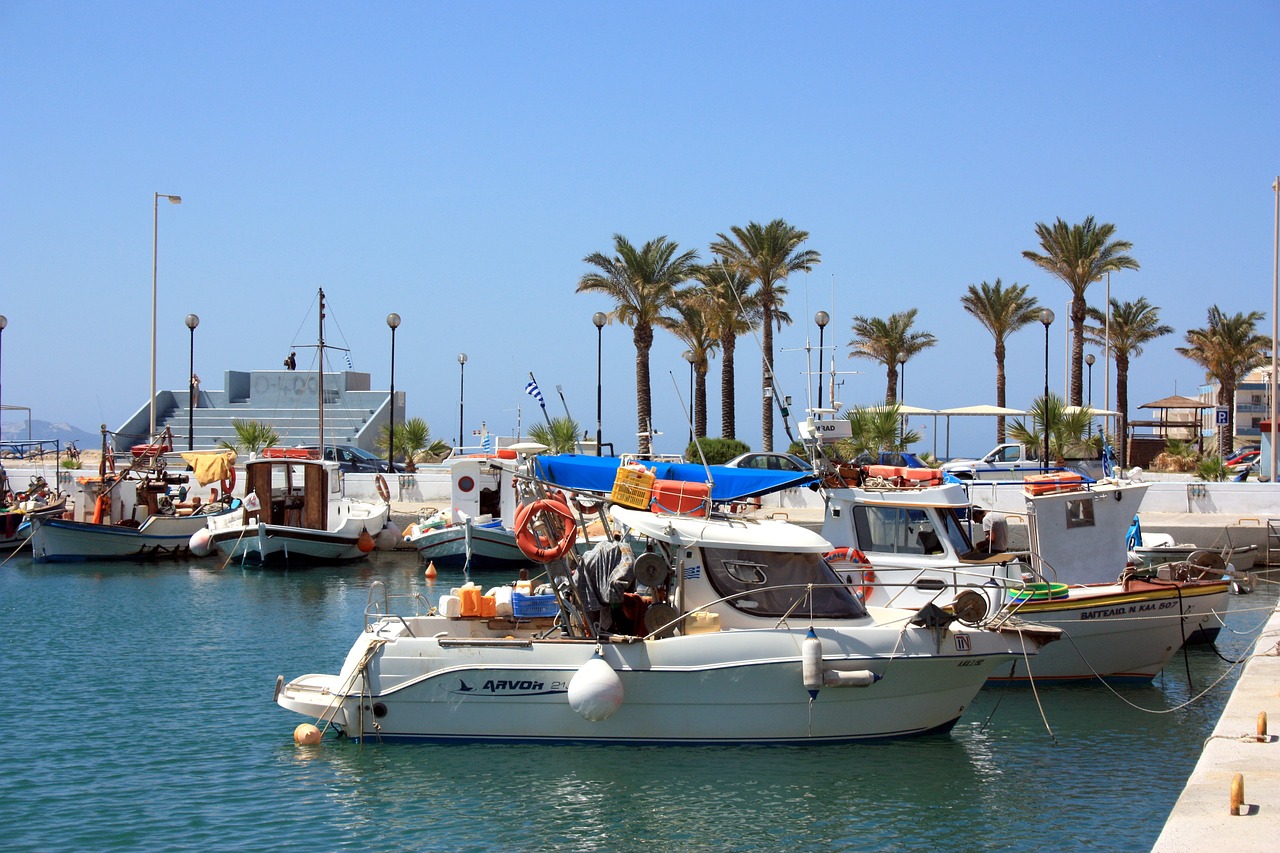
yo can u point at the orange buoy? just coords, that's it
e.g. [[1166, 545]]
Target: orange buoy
[[431, 569], [365, 542], [306, 735]]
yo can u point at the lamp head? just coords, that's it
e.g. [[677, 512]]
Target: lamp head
[[599, 318], [1089, 359], [688, 356], [4, 321], [393, 320], [822, 318], [193, 320], [462, 358], [902, 358], [1046, 317]]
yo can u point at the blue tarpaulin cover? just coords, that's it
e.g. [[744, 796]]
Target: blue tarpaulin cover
[[597, 473]]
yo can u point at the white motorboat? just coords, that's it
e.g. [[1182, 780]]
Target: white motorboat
[[722, 631], [909, 547], [294, 514]]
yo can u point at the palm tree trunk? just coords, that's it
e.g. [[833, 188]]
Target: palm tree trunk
[[1077, 346], [1226, 394], [1000, 390], [766, 413], [1122, 406], [891, 386], [700, 401], [643, 337], [727, 414]]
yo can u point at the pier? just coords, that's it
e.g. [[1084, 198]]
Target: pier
[[1203, 817]]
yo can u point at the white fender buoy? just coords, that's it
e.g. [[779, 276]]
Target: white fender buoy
[[811, 663], [595, 691], [200, 544], [388, 537], [306, 735], [852, 678]]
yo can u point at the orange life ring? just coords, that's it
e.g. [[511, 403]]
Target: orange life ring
[[383, 492], [853, 555], [229, 482], [531, 543]]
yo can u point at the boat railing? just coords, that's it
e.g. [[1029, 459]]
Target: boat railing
[[378, 606], [993, 586]]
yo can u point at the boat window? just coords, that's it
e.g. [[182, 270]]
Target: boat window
[[774, 583], [955, 530], [1080, 513], [895, 530]]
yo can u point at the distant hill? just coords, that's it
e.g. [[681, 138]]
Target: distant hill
[[17, 431]]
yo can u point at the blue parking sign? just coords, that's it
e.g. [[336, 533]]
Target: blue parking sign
[[1220, 416]]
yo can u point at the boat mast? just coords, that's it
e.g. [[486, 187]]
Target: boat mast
[[320, 383]]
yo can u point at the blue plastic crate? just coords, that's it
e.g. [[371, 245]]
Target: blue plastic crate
[[533, 606]]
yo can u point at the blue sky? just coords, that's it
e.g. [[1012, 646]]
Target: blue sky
[[454, 162]]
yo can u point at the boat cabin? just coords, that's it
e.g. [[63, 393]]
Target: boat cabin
[[291, 488]]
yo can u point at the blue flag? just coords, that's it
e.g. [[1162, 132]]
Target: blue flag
[[533, 391]]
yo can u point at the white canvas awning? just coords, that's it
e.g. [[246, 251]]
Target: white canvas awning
[[903, 409], [988, 411], [1097, 413]]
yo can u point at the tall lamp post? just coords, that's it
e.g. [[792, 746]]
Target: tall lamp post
[[821, 318], [598, 319], [1089, 360], [393, 322], [193, 320], [902, 393], [155, 231], [462, 385], [1046, 317], [693, 411]]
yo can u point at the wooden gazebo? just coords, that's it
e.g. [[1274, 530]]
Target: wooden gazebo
[[1143, 449]]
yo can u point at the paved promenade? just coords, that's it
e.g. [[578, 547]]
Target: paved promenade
[[1201, 819]]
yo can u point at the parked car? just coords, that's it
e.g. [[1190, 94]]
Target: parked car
[[356, 460], [1243, 456], [770, 462]]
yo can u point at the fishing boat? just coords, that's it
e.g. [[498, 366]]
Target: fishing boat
[[295, 512], [38, 498], [475, 535], [910, 546], [723, 630], [1157, 549], [140, 511]]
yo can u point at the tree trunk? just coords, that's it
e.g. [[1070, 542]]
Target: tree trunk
[[766, 411], [891, 383], [1226, 394], [643, 337], [1122, 406], [1077, 346], [727, 414], [1000, 390], [700, 400]]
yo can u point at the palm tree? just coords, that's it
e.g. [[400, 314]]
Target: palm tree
[[1079, 255], [1228, 348], [874, 430], [561, 435], [1068, 431], [691, 326], [731, 309], [767, 254], [1133, 324], [1001, 311], [251, 436], [414, 443], [642, 281], [884, 340]]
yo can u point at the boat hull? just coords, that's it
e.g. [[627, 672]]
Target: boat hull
[[61, 540], [734, 686], [1117, 632], [280, 545], [492, 548]]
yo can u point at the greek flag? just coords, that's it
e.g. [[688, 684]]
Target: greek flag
[[692, 572], [350, 366], [533, 391]]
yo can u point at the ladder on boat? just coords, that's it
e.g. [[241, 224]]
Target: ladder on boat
[[1273, 541]]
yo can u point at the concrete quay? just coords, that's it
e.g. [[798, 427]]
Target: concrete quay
[[1202, 819]]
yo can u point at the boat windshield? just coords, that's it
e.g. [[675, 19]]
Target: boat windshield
[[772, 583]]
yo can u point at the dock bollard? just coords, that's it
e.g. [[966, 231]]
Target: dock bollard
[[1262, 727], [1237, 793]]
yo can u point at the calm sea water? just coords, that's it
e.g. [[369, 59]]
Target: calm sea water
[[140, 716]]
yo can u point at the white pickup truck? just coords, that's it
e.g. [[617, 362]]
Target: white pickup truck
[[1011, 461]]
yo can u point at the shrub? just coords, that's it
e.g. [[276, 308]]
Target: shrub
[[716, 450]]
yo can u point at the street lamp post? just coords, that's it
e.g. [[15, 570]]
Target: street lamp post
[[693, 408], [462, 385], [155, 231], [393, 322], [193, 320], [821, 318], [598, 319], [1089, 359], [1046, 317], [902, 393]]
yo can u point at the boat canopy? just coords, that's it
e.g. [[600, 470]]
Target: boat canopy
[[597, 474]]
